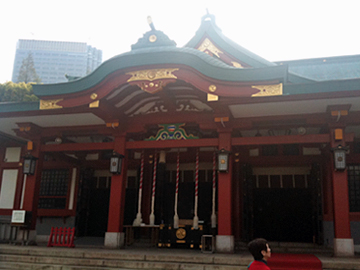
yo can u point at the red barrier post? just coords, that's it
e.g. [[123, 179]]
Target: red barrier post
[[61, 237]]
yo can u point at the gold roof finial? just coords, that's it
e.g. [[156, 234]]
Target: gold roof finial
[[150, 22]]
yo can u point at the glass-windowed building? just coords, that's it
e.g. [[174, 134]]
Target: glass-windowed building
[[54, 59]]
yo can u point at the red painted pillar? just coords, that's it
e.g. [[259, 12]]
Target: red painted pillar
[[225, 190], [343, 243], [340, 196], [237, 200], [117, 191], [32, 188], [341, 204]]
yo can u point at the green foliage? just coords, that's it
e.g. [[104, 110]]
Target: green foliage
[[19, 92], [27, 72]]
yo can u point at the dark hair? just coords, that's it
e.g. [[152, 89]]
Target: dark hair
[[256, 246]]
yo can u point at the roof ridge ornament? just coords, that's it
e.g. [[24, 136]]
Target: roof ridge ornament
[[150, 22], [208, 17], [153, 38]]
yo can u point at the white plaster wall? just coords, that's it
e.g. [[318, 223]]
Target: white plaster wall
[[8, 188], [12, 154]]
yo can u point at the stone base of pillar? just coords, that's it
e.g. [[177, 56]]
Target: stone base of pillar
[[344, 247], [225, 244], [114, 239], [42, 238], [26, 237]]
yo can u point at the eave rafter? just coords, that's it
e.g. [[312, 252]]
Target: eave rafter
[[169, 100], [78, 131], [139, 122], [106, 111], [28, 130], [63, 157]]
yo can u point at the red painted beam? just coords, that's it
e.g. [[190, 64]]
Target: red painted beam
[[77, 147], [172, 144], [315, 138], [6, 212]]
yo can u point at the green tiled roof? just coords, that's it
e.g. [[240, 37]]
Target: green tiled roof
[[205, 64], [298, 76], [19, 106], [326, 68], [322, 87]]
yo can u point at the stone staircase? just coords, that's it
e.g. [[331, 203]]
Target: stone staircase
[[35, 257], [291, 247], [80, 257]]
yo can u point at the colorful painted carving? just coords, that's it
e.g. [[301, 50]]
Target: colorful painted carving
[[171, 132]]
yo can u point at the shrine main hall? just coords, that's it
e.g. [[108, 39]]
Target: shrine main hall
[[205, 140]]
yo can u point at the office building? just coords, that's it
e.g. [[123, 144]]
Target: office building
[[54, 59]]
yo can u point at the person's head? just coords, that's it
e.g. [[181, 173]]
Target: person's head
[[260, 249]]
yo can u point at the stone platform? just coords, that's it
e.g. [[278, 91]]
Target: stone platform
[[95, 257]]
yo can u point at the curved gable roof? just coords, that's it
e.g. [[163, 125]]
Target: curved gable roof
[[210, 29], [197, 60]]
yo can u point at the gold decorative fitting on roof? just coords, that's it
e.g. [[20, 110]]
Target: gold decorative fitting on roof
[[94, 104], [221, 119], [236, 64], [212, 88], [152, 38], [152, 74], [113, 124], [208, 45], [26, 129], [93, 96], [49, 104], [30, 146], [211, 97], [339, 112], [268, 90]]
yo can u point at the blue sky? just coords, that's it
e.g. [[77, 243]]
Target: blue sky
[[276, 30]]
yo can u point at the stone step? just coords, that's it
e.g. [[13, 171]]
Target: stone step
[[93, 259], [78, 264], [290, 247], [37, 257], [26, 266]]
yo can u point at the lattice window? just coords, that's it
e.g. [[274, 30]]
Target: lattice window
[[189, 176], [291, 149], [54, 189], [354, 187], [270, 150], [281, 181]]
